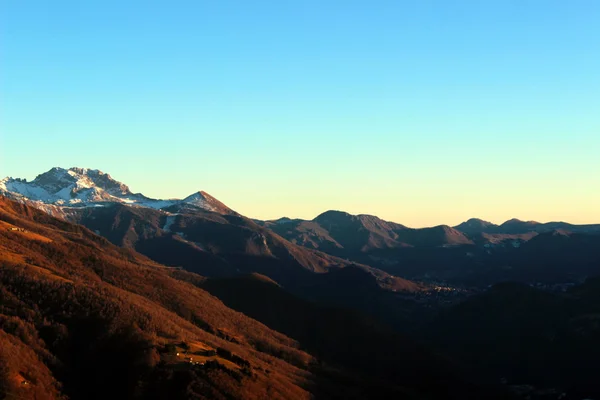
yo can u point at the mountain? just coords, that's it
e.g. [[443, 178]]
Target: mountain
[[337, 232], [202, 235], [515, 226], [552, 257], [476, 225], [359, 231], [198, 233], [81, 318], [475, 253], [205, 201], [559, 256], [202, 241], [83, 187], [436, 236], [84, 319], [369, 240], [354, 236], [216, 245], [344, 234]]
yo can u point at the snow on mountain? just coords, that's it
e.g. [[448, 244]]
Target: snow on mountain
[[169, 222], [83, 187], [201, 200], [60, 186]]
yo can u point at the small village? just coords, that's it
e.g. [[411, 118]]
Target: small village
[[439, 293]]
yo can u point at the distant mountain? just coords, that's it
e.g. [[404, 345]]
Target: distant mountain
[[549, 257], [476, 252], [559, 255], [83, 187], [338, 232], [476, 225], [344, 234], [437, 236], [516, 227], [203, 201]]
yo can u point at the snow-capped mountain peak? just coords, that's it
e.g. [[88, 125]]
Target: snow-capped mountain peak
[[205, 201], [80, 187], [66, 187], [78, 179]]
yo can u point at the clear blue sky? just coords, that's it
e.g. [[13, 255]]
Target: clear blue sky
[[422, 112]]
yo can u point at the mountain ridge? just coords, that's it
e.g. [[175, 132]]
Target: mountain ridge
[[517, 226], [78, 187], [81, 318], [85, 187]]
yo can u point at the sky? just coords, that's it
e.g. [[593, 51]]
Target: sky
[[422, 112]]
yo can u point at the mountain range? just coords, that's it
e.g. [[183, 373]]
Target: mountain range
[[82, 318], [516, 226], [203, 235], [83, 187], [60, 191], [341, 306], [198, 226]]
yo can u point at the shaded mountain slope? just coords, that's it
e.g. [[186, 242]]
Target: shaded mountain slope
[[93, 312], [361, 232], [223, 245], [516, 226], [347, 338], [211, 244], [548, 257], [528, 336], [436, 236], [83, 318], [476, 225], [346, 235], [474, 253]]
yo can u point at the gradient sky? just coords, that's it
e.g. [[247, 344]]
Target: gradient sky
[[421, 112]]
